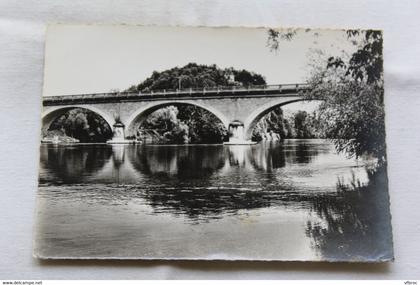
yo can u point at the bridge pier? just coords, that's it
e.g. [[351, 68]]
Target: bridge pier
[[237, 134], [118, 135]]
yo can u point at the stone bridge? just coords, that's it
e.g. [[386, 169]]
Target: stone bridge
[[238, 108]]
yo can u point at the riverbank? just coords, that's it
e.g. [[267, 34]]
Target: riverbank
[[58, 137]]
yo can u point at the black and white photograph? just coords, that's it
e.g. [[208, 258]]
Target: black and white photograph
[[199, 143]]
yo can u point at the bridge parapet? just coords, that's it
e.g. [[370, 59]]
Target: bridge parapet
[[189, 93]]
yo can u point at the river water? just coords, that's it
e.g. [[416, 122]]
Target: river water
[[294, 200]]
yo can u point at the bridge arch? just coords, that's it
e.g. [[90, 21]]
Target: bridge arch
[[252, 120], [50, 114], [141, 114]]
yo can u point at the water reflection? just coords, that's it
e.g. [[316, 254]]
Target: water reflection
[[269, 156], [184, 162], [73, 163], [355, 223], [79, 164], [297, 190], [199, 180]]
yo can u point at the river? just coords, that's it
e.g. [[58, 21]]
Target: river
[[294, 200]]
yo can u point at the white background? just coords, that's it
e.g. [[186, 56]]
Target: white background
[[22, 33]]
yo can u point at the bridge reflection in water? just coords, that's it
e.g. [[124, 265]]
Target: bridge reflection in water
[[291, 200]]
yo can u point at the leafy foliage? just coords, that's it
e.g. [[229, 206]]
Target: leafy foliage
[[165, 121], [306, 125], [300, 125], [366, 64], [352, 90], [275, 36], [353, 116], [195, 75], [83, 125], [275, 122], [185, 124], [204, 127]]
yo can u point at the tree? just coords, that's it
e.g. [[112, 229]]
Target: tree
[[302, 124], [246, 78], [273, 121], [195, 75], [166, 122], [352, 92], [83, 125], [204, 127], [186, 124]]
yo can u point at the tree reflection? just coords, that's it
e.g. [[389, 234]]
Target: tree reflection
[[181, 162], [356, 221], [203, 203], [268, 156], [72, 164], [302, 151], [204, 183]]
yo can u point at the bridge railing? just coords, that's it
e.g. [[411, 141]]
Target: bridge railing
[[229, 88], [186, 91]]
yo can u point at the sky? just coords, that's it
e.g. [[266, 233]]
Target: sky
[[84, 59]]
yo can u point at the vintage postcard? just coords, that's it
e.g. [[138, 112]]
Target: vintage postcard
[[213, 143]]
